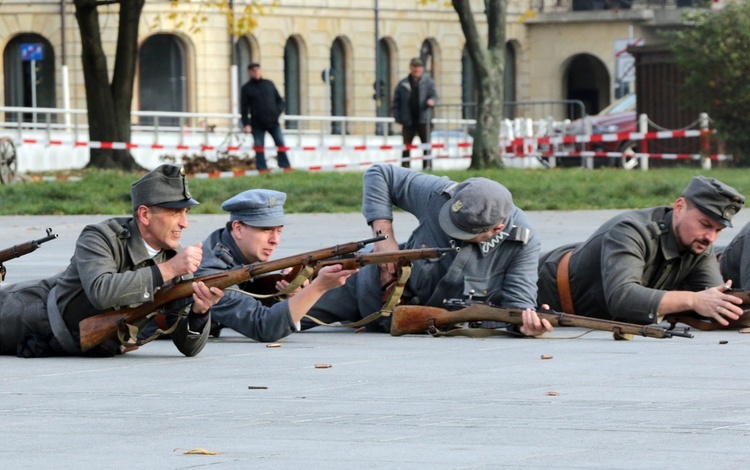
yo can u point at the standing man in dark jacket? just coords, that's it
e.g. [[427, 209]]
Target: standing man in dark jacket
[[413, 100], [261, 99]]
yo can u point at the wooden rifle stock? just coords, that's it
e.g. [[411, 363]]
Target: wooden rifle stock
[[709, 324], [96, 329], [413, 319], [17, 251]]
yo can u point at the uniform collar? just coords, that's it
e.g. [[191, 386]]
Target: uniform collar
[[137, 246], [227, 240]]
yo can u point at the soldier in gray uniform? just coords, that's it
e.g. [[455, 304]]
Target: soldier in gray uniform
[[735, 259], [497, 261], [117, 263], [252, 234], [644, 264]]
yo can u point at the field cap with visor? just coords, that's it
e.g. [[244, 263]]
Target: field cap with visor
[[714, 198], [478, 205], [257, 208], [165, 186], [416, 62]]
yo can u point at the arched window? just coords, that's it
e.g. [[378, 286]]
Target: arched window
[[383, 85], [162, 80], [427, 54], [338, 84], [29, 64], [246, 52], [292, 81], [509, 80]]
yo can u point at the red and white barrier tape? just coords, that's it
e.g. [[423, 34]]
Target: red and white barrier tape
[[519, 142]]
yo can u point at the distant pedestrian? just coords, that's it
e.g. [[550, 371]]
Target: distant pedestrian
[[261, 99], [413, 100]]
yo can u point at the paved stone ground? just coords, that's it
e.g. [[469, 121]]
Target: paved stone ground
[[385, 402]]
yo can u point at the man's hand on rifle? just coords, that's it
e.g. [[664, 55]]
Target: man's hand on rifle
[[282, 284], [387, 271], [205, 297], [330, 277], [533, 325], [714, 303]]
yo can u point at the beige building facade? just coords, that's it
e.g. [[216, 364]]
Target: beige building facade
[[322, 54]]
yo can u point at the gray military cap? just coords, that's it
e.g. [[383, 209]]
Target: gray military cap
[[714, 198], [478, 205], [257, 208], [165, 186]]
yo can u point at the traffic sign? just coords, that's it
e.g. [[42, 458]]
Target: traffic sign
[[32, 51]]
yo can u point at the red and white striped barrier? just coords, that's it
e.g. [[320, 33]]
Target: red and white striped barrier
[[514, 148]]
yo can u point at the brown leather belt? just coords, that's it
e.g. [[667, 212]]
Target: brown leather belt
[[563, 283]]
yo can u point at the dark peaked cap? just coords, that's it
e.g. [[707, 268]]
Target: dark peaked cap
[[165, 186]]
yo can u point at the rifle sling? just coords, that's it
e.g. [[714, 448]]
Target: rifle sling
[[57, 324], [304, 274], [127, 334], [397, 288], [563, 283]]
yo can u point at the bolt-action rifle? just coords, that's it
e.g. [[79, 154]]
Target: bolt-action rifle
[[266, 283], [709, 324], [99, 328], [413, 319], [22, 249]]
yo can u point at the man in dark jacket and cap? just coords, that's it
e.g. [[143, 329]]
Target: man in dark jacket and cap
[[413, 100], [260, 98]]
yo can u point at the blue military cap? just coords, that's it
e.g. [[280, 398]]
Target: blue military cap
[[257, 208]]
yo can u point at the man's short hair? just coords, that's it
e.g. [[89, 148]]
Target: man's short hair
[[253, 65]]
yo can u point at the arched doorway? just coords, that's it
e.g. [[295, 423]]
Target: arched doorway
[[29, 64], [587, 79], [383, 84], [162, 78]]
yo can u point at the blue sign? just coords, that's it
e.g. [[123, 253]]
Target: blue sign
[[31, 51]]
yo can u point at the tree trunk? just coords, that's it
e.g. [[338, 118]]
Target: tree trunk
[[108, 105], [489, 66]]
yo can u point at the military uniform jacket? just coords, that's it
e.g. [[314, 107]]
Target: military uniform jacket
[[502, 270], [735, 260], [236, 310], [623, 270], [111, 269]]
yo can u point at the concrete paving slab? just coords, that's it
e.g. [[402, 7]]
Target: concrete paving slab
[[408, 402]]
